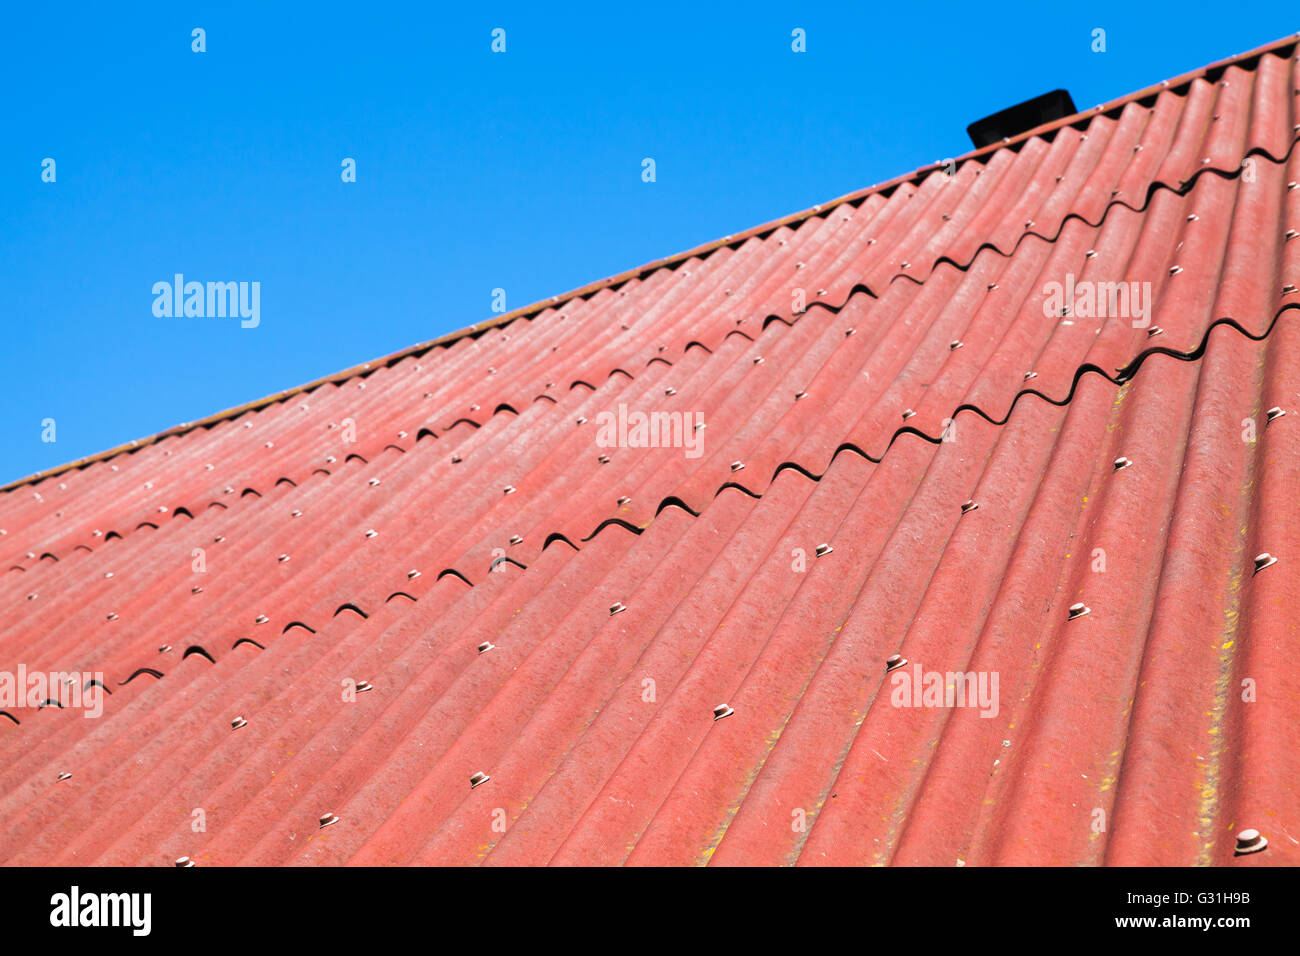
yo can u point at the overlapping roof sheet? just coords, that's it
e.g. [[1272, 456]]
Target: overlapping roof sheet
[[888, 377]]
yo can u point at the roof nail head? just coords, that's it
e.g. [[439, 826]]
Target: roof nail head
[[618, 607], [237, 723], [1250, 841], [1263, 561], [721, 711], [823, 549], [894, 662], [478, 779], [1079, 609]]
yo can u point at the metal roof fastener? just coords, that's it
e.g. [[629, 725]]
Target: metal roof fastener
[[848, 332], [758, 360], [237, 723], [894, 662], [1288, 289], [412, 574], [516, 539], [699, 425], [108, 574], [371, 533], [955, 344], [196, 590], [1121, 463], [508, 490], [582, 420], [112, 615], [904, 265], [603, 459], [1154, 331], [1174, 270], [737, 465], [722, 710], [992, 286], [363, 686], [822, 549], [907, 413], [456, 459], [1029, 375], [295, 513], [282, 558], [165, 649], [624, 500], [373, 482], [670, 391], [184, 861], [485, 647], [328, 820], [478, 779], [618, 607], [65, 775], [1250, 841], [261, 619], [1274, 413], [799, 395], [1192, 217], [1263, 561], [1291, 234], [1078, 610], [968, 507]]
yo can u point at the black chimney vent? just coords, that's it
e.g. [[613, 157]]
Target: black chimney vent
[[1021, 118]]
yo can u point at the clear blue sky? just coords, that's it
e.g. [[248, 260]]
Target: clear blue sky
[[475, 170]]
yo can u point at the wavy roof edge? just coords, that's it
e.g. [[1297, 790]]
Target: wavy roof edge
[[1176, 84]]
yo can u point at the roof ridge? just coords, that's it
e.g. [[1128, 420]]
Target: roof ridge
[[536, 308]]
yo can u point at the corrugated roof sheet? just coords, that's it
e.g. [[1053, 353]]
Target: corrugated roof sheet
[[882, 377]]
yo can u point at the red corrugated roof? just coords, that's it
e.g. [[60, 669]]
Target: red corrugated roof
[[953, 443]]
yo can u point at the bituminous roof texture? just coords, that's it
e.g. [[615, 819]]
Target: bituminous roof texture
[[955, 445]]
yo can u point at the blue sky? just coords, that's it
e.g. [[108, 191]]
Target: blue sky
[[475, 170]]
